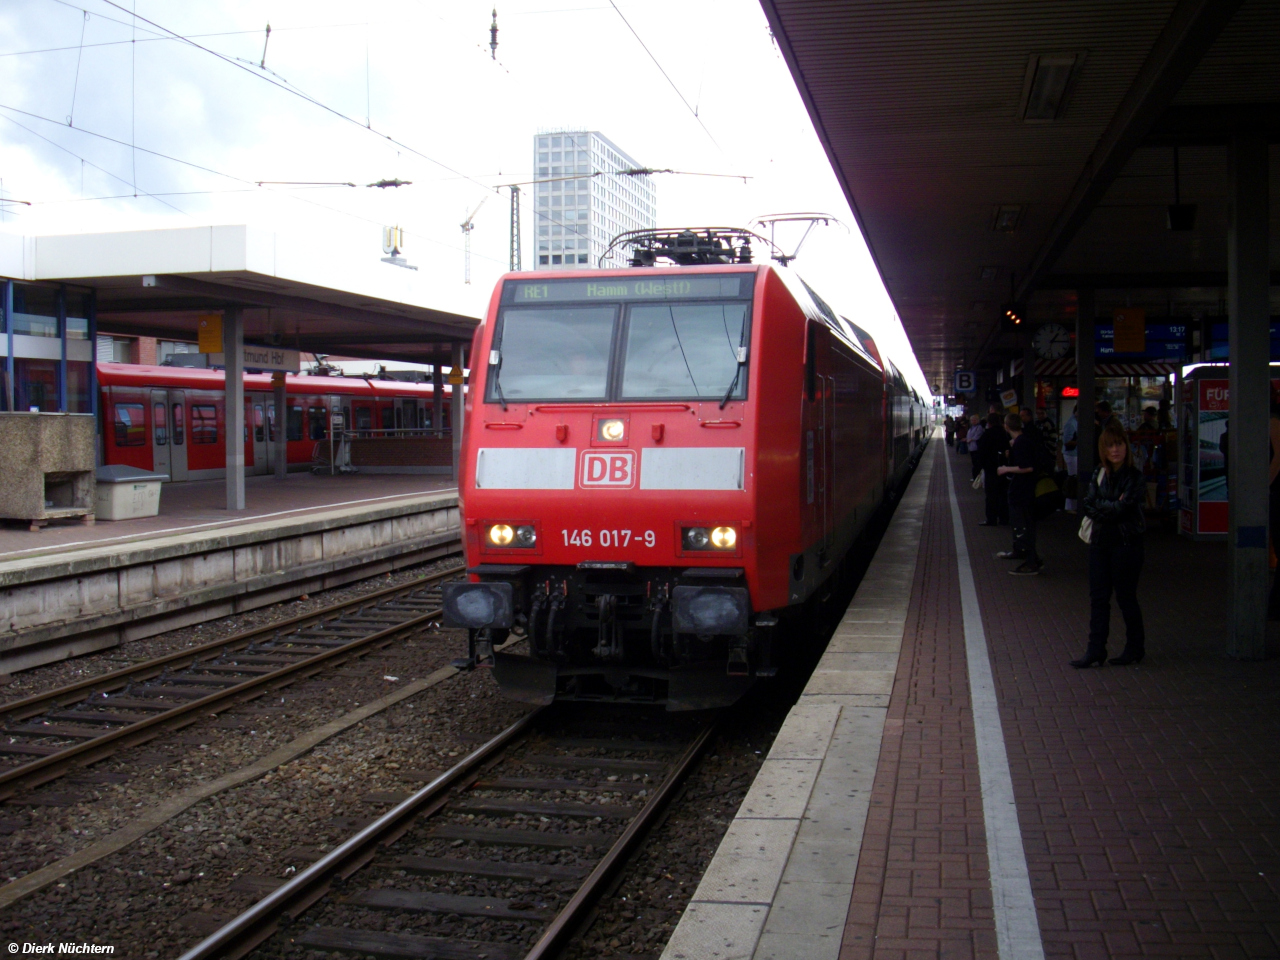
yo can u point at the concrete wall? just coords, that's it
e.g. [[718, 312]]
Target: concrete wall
[[99, 597], [39, 445]]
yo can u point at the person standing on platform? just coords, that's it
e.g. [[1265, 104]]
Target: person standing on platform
[[1114, 503], [949, 430], [993, 445], [1021, 471], [1070, 455], [971, 443], [1273, 605]]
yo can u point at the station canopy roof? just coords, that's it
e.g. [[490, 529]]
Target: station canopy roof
[[295, 293], [990, 146]]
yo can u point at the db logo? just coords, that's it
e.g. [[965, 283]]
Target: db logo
[[612, 469]]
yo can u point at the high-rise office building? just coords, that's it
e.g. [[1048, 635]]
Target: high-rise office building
[[582, 201]]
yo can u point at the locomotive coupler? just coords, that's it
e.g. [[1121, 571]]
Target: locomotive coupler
[[609, 637], [479, 650]]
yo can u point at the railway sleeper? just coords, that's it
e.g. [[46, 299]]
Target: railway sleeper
[[414, 901], [403, 945]]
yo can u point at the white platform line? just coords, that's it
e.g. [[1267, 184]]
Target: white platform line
[[1017, 926]]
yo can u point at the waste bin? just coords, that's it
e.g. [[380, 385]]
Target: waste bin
[[126, 493]]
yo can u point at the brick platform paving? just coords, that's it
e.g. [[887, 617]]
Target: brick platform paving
[[922, 888], [1148, 796]]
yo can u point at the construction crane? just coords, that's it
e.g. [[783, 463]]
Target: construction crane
[[515, 264], [467, 226]]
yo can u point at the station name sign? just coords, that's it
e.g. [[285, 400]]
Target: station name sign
[[255, 357], [704, 287]]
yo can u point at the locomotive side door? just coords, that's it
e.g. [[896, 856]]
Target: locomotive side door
[[160, 437], [256, 420], [177, 435]]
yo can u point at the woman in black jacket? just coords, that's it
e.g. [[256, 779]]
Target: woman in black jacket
[[992, 447], [1114, 503]]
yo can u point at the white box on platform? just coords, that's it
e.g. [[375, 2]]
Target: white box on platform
[[127, 493]]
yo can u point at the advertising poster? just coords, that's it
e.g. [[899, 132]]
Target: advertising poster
[[1214, 435]]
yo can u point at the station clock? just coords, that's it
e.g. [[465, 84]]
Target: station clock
[[1052, 341]]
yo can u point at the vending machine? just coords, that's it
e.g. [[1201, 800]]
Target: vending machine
[[1204, 432]]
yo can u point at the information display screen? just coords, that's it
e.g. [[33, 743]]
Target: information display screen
[[602, 289]]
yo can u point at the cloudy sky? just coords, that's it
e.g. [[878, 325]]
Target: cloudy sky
[[109, 121]]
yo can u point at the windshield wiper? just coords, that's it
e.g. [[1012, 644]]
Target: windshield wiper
[[495, 361], [737, 373]]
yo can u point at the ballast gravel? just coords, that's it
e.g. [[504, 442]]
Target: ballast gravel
[[51, 676], [166, 892]]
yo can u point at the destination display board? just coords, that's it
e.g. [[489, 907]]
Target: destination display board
[[719, 286]]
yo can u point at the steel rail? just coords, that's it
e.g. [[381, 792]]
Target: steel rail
[[247, 931], [150, 668], [44, 769], [563, 926], [260, 921]]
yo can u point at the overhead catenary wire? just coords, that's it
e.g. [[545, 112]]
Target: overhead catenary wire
[[290, 88], [157, 37], [75, 86], [90, 162], [666, 75], [196, 166]]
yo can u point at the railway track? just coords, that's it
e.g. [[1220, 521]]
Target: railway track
[[48, 735], [532, 867]]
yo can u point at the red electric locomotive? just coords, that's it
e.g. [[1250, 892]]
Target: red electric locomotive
[[659, 464], [172, 419]]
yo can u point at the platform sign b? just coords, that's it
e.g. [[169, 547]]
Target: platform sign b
[[966, 381]]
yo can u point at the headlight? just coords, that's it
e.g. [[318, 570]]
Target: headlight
[[724, 538], [612, 430], [709, 538], [505, 535]]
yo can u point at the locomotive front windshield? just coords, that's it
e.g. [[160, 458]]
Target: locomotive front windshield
[[668, 338]]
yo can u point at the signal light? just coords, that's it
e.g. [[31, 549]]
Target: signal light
[[1013, 317]]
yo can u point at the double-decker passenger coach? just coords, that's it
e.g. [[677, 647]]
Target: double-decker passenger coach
[[660, 464]]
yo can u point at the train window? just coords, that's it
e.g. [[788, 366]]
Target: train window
[[295, 423], [204, 423], [556, 354], [315, 423], [259, 428], [271, 421], [159, 431], [346, 418], [130, 423], [388, 418], [364, 418], [178, 436], [684, 350]]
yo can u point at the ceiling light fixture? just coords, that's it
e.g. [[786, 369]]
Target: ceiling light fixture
[[1006, 218], [1048, 81]]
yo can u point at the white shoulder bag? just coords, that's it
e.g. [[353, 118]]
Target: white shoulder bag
[[1086, 524]]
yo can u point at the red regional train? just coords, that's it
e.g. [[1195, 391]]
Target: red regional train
[[172, 419], [662, 465]]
